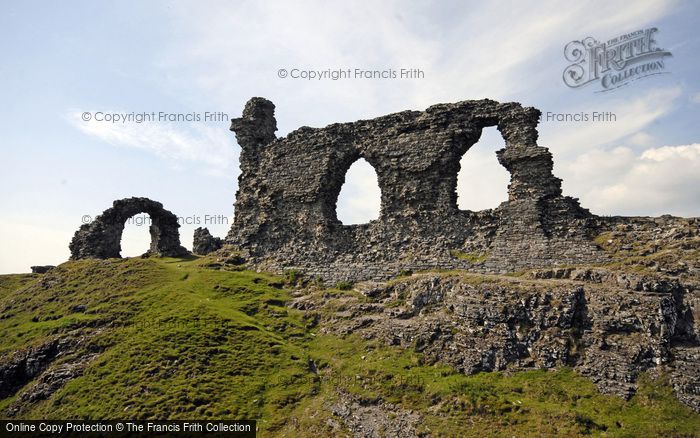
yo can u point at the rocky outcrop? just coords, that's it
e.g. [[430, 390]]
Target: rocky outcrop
[[607, 325], [42, 269], [49, 382], [204, 243], [101, 238], [285, 215], [35, 373], [373, 419], [25, 365]]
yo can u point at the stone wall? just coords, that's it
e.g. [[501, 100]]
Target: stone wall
[[204, 243], [285, 210]]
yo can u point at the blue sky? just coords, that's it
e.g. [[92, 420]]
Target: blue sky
[[62, 59]]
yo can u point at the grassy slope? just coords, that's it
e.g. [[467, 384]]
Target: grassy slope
[[180, 340]]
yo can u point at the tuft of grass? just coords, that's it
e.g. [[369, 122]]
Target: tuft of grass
[[343, 285], [9, 283], [405, 273], [471, 257], [293, 275]]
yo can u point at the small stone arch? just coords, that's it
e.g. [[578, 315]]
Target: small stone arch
[[101, 238]]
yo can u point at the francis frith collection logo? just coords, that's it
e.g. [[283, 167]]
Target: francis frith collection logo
[[615, 62]]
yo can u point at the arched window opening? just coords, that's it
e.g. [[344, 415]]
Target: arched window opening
[[360, 197], [482, 183], [136, 237]]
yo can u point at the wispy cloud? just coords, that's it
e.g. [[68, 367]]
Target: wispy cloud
[[468, 50], [609, 144], [181, 143], [632, 116]]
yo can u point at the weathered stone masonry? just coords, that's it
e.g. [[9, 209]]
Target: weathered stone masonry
[[101, 238], [285, 210]]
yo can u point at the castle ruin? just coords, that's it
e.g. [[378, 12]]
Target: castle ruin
[[285, 209]]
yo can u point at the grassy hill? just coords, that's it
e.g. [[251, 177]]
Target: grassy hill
[[185, 339]]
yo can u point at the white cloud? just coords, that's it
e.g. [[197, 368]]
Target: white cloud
[[666, 153], [181, 143], [578, 146], [642, 139], [695, 98], [662, 180]]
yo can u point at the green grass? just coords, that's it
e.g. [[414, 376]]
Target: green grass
[[644, 253], [184, 342], [529, 403], [471, 257], [343, 285], [10, 283], [179, 340]]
